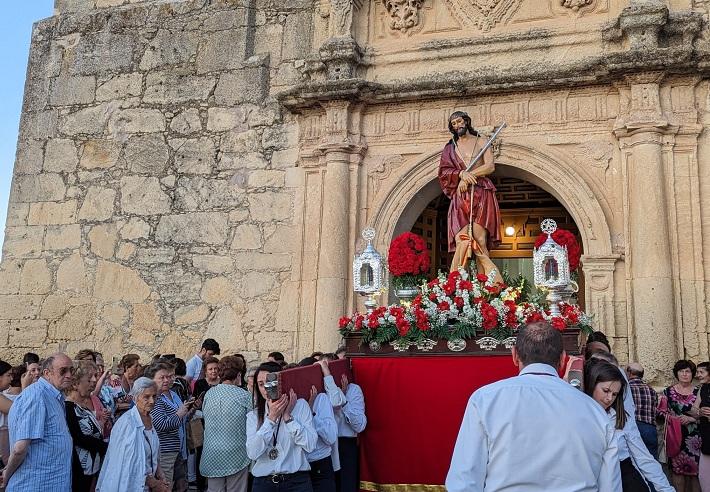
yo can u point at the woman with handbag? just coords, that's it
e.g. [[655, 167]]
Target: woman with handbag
[[683, 450]]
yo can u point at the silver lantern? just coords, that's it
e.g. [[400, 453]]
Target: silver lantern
[[369, 271], [551, 267]]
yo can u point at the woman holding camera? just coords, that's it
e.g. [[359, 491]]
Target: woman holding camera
[[170, 416], [280, 433]]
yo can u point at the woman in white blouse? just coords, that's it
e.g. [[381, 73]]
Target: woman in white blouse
[[131, 463], [279, 435]]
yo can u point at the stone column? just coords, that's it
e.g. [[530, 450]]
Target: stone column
[[334, 259], [641, 132]]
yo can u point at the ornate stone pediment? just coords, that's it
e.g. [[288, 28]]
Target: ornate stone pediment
[[483, 14]]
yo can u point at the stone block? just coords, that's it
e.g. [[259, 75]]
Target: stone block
[[191, 314], [52, 213], [76, 324], [86, 121], [27, 333], [102, 52], [23, 242], [263, 178], [17, 214], [275, 340], [114, 314], [147, 154], [135, 120], [246, 236], [30, 156], [116, 282], [100, 154], [227, 119], [282, 240], [35, 277], [298, 36], [125, 251], [283, 159], [255, 284], [171, 88], [169, 47], [194, 156], [120, 86], [225, 326], [217, 291], [21, 306], [135, 228], [193, 228], [98, 204], [275, 262], [151, 256], [279, 137], [38, 124], [252, 160], [61, 237], [270, 206], [197, 193], [43, 187], [10, 277], [248, 85], [60, 156], [213, 263], [186, 122], [175, 285], [266, 116], [145, 324], [240, 143], [214, 56], [72, 275], [238, 216], [143, 196], [67, 91], [103, 239]]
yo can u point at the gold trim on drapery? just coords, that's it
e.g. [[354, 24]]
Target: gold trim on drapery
[[400, 487]]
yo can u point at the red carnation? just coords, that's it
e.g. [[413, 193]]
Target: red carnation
[[449, 288], [564, 238], [534, 317], [483, 278], [466, 285], [490, 316], [358, 323], [432, 297], [454, 275], [408, 255], [458, 301], [444, 306], [558, 323], [344, 321], [403, 326]]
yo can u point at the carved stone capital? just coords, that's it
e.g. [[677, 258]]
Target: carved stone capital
[[342, 128], [641, 22], [341, 57]]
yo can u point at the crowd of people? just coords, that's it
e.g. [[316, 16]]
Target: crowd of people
[[71, 424], [602, 438]]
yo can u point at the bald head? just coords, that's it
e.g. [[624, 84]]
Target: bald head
[[58, 370], [634, 370]]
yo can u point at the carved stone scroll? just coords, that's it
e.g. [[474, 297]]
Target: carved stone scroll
[[404, 14]]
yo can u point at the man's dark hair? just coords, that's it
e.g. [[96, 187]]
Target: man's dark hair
[[539, 343], [211, 344], [466, 119], [683, 364], [308, 361], [180, 367], [30, 358], [329, 356], [316, 355], [341, 350], [598, 336], [277, 356], [17, 373]]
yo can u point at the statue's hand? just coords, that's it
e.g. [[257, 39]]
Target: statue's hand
[[463, 187], [468, 177]]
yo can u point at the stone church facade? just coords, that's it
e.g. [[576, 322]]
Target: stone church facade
[[204, 168]]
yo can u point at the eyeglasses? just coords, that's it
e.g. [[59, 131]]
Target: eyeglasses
[[63, 370]]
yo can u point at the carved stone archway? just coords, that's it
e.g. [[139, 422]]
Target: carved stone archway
[[395, 211]]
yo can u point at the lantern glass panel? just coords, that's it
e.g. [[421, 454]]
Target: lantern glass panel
[[366, 276], [551, 269]]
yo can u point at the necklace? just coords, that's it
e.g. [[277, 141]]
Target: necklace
[[273, 452]]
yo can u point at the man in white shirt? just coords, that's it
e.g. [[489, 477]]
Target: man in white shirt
[[209, 348], [534, 432]]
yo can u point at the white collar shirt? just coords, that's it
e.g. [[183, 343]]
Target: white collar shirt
[[326, 428], [631, 445], [349, 407], [293, 441], [534, 432], [193, 368]]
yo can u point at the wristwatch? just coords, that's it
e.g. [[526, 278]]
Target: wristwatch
[[290, 419]]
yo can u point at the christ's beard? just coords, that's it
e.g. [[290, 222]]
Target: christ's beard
[[461, 131]]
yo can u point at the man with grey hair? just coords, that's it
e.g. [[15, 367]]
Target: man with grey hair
[[646, 402], [40, 443], [524, 434]]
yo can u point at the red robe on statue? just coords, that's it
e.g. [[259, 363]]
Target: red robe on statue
[[485, 205]]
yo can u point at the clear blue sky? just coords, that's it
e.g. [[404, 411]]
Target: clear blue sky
[[15, 33]]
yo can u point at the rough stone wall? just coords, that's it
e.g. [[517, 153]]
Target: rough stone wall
[[151, 184]]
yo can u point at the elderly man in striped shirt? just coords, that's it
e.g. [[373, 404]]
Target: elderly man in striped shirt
[[39, 437], [646, 401]]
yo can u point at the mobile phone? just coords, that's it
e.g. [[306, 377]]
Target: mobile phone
[[272, 386], [201, 396]]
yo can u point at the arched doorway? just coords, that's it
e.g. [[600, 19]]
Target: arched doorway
[[523, 206]]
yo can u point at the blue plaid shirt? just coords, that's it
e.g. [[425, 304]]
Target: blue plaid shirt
[[38, 415]]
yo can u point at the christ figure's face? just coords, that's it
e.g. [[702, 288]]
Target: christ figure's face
[[459, 126]]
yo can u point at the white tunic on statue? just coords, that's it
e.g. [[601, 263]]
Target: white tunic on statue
[[534, 432]]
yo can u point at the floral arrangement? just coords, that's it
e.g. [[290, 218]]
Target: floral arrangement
[[459, 306], [564, 238], [408, 260]]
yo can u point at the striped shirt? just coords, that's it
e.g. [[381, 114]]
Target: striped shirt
[[170, 427], [645, 399], [38, 415]]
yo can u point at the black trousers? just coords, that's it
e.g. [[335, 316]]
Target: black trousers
[[631, 479], [348, 478], [322, 475], [293, 482]]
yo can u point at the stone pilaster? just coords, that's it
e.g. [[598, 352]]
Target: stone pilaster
[[643, 131]]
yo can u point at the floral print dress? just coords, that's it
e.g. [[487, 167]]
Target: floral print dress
[[686, 462]]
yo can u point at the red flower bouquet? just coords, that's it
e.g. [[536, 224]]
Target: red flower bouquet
[[408, 260], [564, 238]]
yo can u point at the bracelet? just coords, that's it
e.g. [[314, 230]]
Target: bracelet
[[289, 420]]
